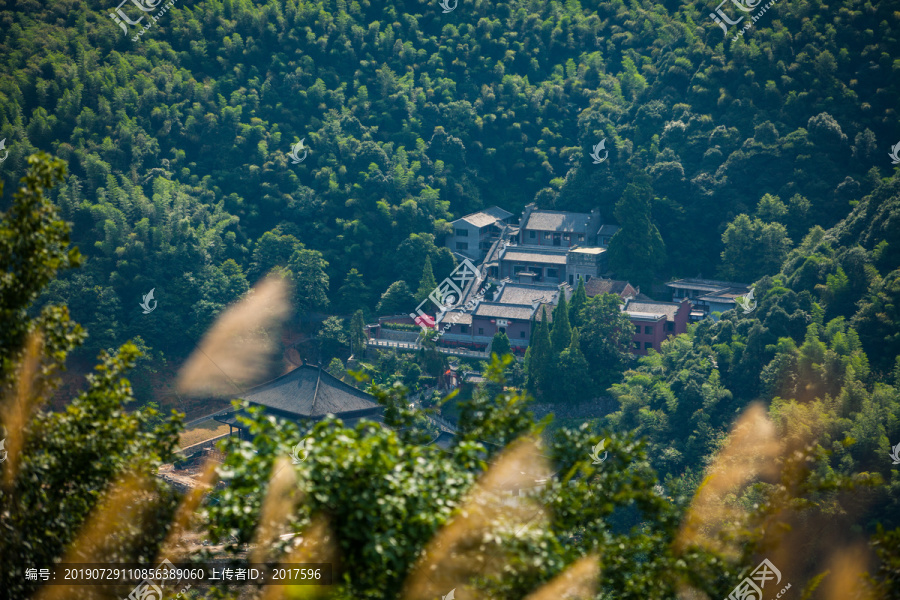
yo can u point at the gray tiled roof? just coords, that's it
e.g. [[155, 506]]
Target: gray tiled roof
[[725, 296], [553, 220], [513, 253], [646, 316], [504, 311], [597, 286], [526, 294], [707, 285], [457, 318], [309, 391], [540, 311], [487, 216], [608, 229], [655, 308]]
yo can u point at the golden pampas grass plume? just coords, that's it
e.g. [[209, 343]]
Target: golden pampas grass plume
[[468, 546], [281, 498], [749, 452], [238, 349], [318, 545], [846, 578], [577, 582], [120, 518], [15, 412]]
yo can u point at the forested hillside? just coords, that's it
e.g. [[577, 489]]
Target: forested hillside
[[760, 158], [177, 144]]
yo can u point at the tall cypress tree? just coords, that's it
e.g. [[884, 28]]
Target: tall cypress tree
[[358, 336], [562, 330], [541, 359], [579, 299], [574, 373], [427, 282]]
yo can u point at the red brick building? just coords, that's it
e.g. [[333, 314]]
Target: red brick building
[[655, 321]]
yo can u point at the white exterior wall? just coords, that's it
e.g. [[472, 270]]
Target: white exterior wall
[[473, 240]]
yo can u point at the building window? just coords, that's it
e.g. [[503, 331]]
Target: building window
[[522, 334], [567, 236], [648, 345], [571, 280], [637, 328], [648, 329], [462, 245], [547, 235], [481, 331], [532, 234], [637, 345], [552, 273], [462, 233], [670, 326], [464, 329], [580, 237]]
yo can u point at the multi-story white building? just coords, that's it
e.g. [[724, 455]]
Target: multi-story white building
[[474, 234]]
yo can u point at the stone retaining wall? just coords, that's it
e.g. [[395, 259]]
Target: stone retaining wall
[[200, 446], [397, 335]]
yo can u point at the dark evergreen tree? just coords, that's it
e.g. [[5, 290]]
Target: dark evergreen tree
[[606, 338], [357, 334], [540, 364], [574, 373], [561, 334], [396, 300], [636, 251], [579, 300], [427, 282], [500, 344], [353, 293]]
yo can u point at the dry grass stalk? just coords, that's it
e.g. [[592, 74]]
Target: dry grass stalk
[[237, 350], [16, 411], [318, 547], [846, 580], [749, 452], [118, 520], [467, 545], [578, 581], [278, 506]]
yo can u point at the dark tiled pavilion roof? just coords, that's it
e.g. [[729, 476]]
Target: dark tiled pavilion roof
[[311, 392]]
